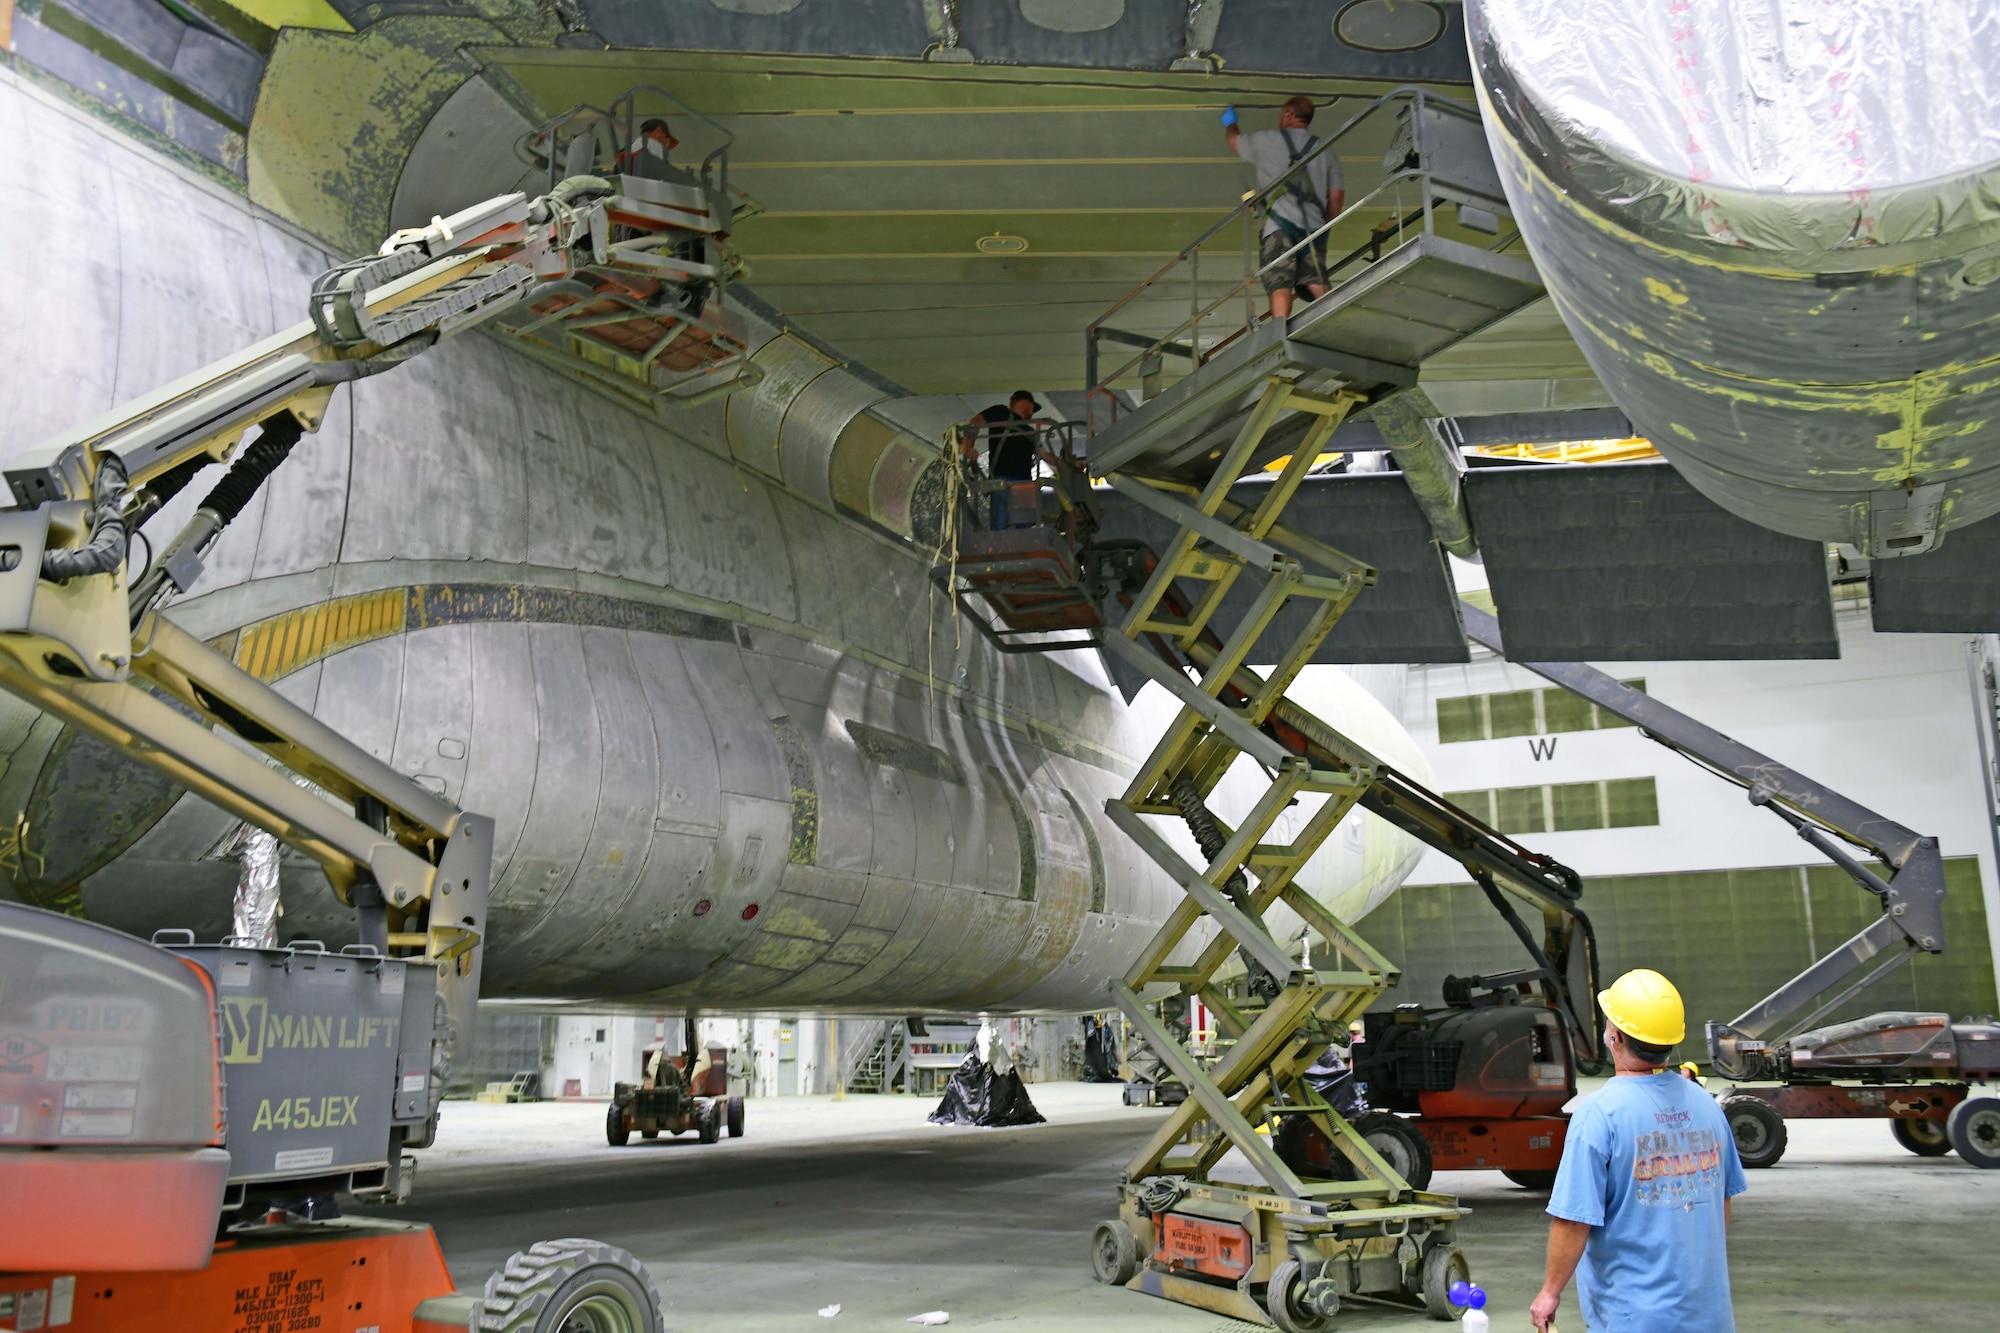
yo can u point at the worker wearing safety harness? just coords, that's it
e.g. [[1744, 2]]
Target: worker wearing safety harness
[[1641, 1201], [1313, 193]]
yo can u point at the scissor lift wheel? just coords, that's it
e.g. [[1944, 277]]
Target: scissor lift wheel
[[1114, 1253]]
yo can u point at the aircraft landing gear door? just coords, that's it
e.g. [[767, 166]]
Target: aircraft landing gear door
[[788, 1058]]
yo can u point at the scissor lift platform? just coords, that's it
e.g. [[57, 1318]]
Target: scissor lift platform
[[1287, 1250], [1371, 334]]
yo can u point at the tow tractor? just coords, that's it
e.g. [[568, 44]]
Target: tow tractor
[[676, 1094], [180, 1121]]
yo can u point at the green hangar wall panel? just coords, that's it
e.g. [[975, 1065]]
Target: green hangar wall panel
[[1725, 938]]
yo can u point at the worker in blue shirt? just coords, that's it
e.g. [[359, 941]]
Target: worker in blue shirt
[[1641, 1202]]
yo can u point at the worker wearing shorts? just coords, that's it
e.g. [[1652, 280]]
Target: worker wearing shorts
[[1312, 194]]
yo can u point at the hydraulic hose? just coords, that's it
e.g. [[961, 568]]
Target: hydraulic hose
[[154, 495], [105, 551], [1209, 838], [240, 484], [229, 498]]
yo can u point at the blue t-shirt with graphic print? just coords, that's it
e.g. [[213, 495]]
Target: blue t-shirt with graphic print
[[1647, 1165]]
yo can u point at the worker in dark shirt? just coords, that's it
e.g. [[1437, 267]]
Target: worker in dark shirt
[[1010, 445]]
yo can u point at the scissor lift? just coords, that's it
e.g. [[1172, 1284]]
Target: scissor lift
[[1282, 1249], [1182, 1233]]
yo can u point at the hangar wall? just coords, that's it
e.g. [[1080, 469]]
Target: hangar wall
[[1723, 897]]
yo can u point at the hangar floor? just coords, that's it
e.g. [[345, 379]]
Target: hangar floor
[[861, 1203]]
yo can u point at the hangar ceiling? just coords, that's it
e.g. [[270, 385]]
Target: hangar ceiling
[[884, 139], [879, 178]]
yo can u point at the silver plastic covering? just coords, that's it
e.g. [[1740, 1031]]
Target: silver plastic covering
[[991, 1048], [254, 917], [1793, 125], [1774, 230]]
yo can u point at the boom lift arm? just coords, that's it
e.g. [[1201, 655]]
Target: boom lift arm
[[1911, 898], [77, 641]]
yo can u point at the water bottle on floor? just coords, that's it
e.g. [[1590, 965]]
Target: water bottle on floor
[[1473, 1298]]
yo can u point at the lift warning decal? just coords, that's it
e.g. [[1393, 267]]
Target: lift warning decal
[[286, 1303]]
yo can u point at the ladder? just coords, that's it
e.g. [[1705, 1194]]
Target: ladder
[[1303, 1243]]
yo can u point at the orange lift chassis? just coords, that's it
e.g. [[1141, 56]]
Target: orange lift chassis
[[178, 1120]]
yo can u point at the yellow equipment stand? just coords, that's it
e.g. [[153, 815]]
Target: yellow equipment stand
[[1281, 1251]]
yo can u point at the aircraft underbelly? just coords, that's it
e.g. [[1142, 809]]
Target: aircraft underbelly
[[736, 752]]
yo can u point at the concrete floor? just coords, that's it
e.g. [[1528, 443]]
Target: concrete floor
[[861, 1203]]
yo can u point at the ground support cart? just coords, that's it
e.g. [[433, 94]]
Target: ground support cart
[[1238, 1252]]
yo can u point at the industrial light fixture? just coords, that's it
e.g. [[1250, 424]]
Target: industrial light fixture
[[996, 244]]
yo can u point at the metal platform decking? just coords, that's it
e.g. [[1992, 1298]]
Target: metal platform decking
[[1371, 334]]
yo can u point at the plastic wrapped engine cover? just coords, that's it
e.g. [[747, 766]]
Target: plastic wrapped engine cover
[[1774, 230]]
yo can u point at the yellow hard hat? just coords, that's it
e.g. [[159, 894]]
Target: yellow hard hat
[[1644, 1006]]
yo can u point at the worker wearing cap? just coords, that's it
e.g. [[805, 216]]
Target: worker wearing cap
[[1010, 445], [1313, 193], [1641, 1202]]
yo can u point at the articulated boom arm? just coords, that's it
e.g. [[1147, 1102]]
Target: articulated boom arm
[[1912, 898], [1566, 954], [77, 641]]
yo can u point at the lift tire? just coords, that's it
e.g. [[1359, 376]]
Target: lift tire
[[1758, 1129], [557, 1285], [1399, 1143], [735, 1115], [1543, 1179], [1114, 1253], [616, 1132], [708, 1120], [1283, 1298], [1974, 1129], [1925, 1138], [1443, 1265]]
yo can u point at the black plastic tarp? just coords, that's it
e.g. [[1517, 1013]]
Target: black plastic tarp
[[978, 1096], [1100, 1051]]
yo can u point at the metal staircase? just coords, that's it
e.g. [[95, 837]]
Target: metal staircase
[[882, 1057]]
